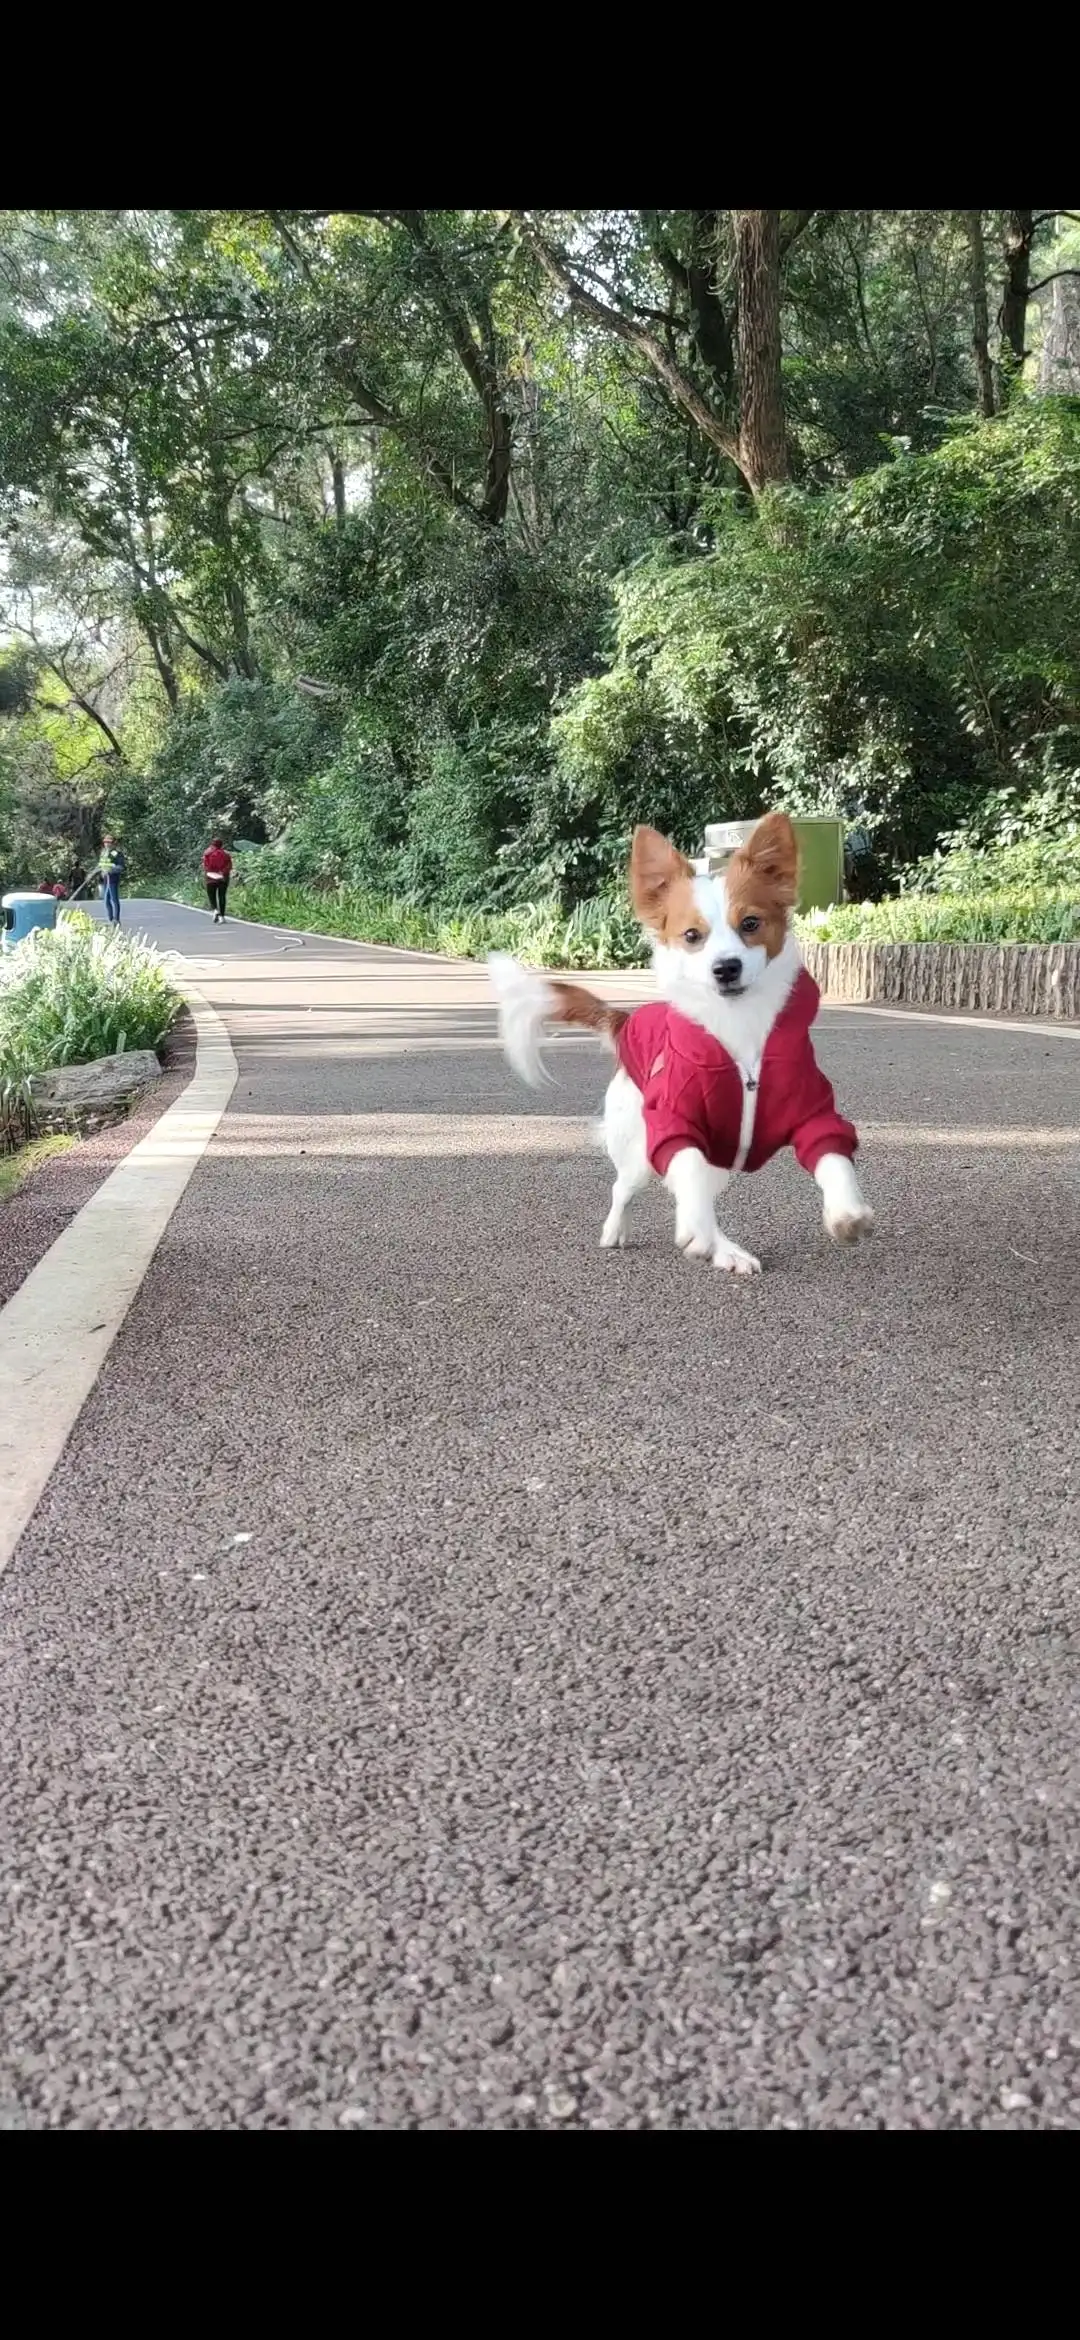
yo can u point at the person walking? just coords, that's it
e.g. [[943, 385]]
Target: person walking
[[111, 868], [217, 870]]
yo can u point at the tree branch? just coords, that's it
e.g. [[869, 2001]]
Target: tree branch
[[374, 411], [792, 226], [1054, 279], [637, 336]]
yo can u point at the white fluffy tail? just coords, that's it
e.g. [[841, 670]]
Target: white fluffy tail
[[525, 1004], [528, 1001]]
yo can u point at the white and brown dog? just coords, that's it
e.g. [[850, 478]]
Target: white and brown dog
[[719, 1073]]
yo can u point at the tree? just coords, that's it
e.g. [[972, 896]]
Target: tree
[[763, 455], [314, 521], [729, 282], [980, 313]]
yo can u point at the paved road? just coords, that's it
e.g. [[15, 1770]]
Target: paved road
[[643, 1700]]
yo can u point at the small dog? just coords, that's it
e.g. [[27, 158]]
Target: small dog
[[719, 1073]]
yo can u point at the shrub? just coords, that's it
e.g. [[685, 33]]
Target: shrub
[[1011, 915], [69, 995], [900, 651]]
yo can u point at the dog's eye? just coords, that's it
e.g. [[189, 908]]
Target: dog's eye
[[692, 934], [749, 925]]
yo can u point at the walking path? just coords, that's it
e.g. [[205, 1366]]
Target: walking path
[[455, 1676]]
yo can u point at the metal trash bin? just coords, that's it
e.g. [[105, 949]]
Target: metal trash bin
[[821, 856], [22, 912]]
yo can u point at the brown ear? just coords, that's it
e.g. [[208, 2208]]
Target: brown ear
[[772, 851], [654, 867]]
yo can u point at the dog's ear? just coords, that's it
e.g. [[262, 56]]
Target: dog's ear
[[772, 853], [654, 867]]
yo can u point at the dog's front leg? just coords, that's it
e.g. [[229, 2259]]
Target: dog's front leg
[[847, 1213], [695, 1186]]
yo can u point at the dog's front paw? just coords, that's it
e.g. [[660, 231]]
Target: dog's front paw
[[848, 1221], [696, 1241], [733, 1259]]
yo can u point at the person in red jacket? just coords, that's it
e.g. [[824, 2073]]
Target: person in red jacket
[[217, 870]]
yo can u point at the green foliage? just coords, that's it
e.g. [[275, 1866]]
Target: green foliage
[[603, 933], [52, 781], [233, 758], [16, 1168], [599, 933], [1011, 914], [450, 650], [18, 674], [68, 995], [317, 520], [892, 651], [1047, 863]]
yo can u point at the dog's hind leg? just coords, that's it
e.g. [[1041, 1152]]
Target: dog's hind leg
[[624, 1139]]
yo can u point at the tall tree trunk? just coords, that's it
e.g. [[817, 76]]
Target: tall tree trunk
[[497, 467], [1059, 358], [980, 314], [763, 456], [1019, 229], [337, 472]]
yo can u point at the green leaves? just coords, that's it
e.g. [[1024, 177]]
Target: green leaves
[[898, 650], [70, 995]]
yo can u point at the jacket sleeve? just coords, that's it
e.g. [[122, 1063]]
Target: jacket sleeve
[[819, 1128], [674, 1118]]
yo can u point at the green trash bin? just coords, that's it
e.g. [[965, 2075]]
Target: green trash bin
[[821, 856], [22, 912], [821, 863]]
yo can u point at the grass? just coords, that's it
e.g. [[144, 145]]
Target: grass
[[603, 933], [69, 995], [15, 1169]]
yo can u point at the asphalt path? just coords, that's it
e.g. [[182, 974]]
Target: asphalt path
[[457, 1677]]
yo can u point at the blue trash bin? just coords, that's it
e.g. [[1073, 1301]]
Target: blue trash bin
[[22, 912]]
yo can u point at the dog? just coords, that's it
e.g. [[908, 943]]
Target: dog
[[718, 1074]]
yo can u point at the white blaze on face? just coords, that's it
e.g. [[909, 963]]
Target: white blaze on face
[[715, 940]]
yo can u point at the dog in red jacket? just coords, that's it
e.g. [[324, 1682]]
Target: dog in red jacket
[[719, 1073]]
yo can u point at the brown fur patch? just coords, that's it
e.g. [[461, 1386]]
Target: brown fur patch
[[572, 1004], [662, 888], [762, 881]]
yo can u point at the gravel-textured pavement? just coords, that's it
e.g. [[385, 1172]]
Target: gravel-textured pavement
[[458, 1677]]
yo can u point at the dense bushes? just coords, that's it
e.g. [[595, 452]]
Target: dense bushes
[[903, 651], [240, 758]]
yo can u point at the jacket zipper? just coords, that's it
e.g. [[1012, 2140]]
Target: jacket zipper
[[749, 1076]]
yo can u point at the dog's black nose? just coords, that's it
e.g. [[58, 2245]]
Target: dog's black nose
[[728, 972]]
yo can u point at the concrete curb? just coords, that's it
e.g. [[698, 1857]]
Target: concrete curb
[[57, 1329], [1028, 979]]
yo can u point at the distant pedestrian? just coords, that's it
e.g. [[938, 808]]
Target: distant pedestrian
[[217, 870], [111, 868]]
